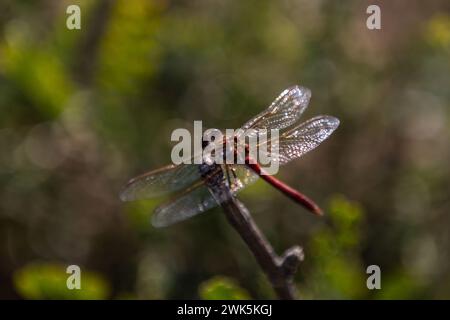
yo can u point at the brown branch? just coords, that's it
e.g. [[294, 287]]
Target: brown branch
[[279, 270]]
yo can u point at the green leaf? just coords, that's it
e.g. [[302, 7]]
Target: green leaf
[[222, 288], [48, 281]]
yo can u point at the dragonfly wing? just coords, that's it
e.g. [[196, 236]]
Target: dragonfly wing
[[193, 201], [161, 181], [299, 140], [283, 112], [200, 198]]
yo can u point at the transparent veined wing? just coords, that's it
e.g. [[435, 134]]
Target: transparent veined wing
[[196, 199], [161, 181], [200, 198], [283, 112], [303, 138], [192, 201]]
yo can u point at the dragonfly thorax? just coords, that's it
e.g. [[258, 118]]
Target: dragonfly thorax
[[212, 174], [228, 150]]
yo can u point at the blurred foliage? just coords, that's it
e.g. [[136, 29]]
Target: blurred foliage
[[337, 269], [48, 281], [222, 288], [400, 286], [81, 111], [439, 30]]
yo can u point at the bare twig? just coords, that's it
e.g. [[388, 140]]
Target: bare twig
[[279, 270]]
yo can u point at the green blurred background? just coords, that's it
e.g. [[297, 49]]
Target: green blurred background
[[81, 111]]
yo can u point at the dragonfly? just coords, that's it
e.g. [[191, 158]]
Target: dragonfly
[[200, 187]]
